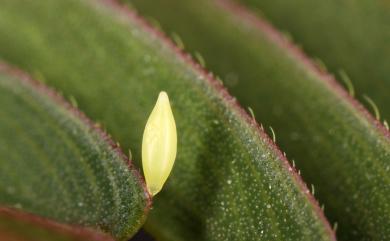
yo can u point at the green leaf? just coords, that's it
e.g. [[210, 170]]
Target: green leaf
[[229, 181], [353, 36], [19, 226], [56, 164], [336, 143]]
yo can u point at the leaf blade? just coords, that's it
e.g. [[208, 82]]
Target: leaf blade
[[72, 172], [213, 131], [332, 138], [37, 228], [354, 37]]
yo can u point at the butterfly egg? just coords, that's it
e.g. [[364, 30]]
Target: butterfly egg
[[159, 144]]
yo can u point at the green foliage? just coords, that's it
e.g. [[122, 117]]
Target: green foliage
[[18, 226], [55, 164], [336, 144], [349, 35], [229, 181]]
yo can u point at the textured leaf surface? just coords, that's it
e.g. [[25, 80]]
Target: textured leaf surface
[[55, 164], [229, 181], [336, 143], [18, 226], [349, 35]]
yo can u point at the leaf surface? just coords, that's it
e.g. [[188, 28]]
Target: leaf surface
[[56, 164], [229, 181], [338, 146], [19, 226], [352, 36]]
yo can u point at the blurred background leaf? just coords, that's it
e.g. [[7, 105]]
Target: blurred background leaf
[[353, 36]]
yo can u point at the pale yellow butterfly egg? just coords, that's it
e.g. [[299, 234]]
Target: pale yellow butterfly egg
[[159, 144]]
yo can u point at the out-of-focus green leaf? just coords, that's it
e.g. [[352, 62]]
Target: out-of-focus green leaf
[[229, 181], [336, 143], [18, 226], [353, 36], [56, 164]]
